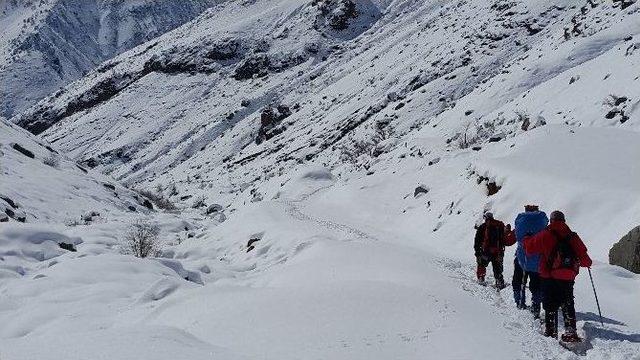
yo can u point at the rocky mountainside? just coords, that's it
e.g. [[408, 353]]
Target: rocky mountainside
[[239, 97], [328, 160], [47, 44]]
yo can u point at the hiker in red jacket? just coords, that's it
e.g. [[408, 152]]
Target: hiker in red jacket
[[562, 253], [491, 238]]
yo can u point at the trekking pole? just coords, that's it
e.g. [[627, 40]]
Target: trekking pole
[[596, 295]]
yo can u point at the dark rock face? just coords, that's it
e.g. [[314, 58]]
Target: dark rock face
[[254, 66], [626, 252], [337, 13], [270, 118]]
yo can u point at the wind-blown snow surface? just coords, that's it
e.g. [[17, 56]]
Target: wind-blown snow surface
[[47, 44], [346, 260]]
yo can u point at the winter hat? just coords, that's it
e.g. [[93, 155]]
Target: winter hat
[[531, 208], [488, 215], [557, 215]]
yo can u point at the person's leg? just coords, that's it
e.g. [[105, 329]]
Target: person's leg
[[498, 268], [516, 283], [550, 304], [536, 293], [481, 269], [568, 311]]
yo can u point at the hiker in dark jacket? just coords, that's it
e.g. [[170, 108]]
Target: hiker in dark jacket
[[490, 240], [562, 253]]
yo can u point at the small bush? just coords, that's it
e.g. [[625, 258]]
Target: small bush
[[474, 133], [141, 240], [160, 201]]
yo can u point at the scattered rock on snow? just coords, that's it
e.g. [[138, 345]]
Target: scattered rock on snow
[[23, 151], [214, 209], [254, 239], [420, 190], [67, 246]]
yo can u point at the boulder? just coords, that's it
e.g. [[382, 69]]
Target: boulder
[[67, 246], [214, 209], [626, 252]]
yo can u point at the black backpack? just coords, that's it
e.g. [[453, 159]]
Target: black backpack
[[563, 256], [493, 237]]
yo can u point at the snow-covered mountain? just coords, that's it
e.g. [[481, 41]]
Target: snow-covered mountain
[[226, 106], [330, 159], [47, 44]]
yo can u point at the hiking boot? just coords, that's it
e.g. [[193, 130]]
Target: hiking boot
[[570, 337], [551, 324], [500, 284], [535, 310], [481, 280]]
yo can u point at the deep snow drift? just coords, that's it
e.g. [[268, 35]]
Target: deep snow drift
[[328, 165]]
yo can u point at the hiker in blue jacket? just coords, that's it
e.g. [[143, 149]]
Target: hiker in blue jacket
[[528, 223]]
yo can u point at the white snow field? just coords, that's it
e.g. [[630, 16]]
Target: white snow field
[[338, 225]]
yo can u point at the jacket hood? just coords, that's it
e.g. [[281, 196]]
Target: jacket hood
[[559, 227]]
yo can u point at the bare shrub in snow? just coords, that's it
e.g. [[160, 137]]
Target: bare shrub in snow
[[173, 190], [524, 119], [160, 201], [141, 239], [52, 160], [475, 132]]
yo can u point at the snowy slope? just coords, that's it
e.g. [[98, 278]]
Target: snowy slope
[[39, 184], [327, 250], [201, 117], [330, 277], [47, 44]]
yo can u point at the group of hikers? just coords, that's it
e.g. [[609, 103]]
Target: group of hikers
[[548, 255]]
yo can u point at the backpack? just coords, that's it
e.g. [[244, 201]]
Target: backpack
[[562, 255], [493, 237]]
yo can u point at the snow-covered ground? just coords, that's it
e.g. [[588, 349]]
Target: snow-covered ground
[[317, 244], [330, 278]]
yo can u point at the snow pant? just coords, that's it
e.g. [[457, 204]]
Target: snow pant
[[519, 283], [558, 294], [496, 264]]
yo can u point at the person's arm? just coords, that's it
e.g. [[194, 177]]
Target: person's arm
[[477, 244], [581, 251], [510, 236]]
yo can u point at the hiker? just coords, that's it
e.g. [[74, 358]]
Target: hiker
[[528, 223], [490, 240], [562, 252]]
